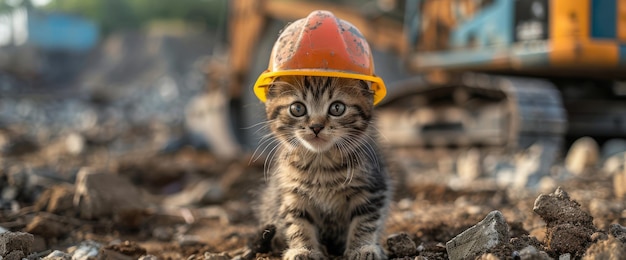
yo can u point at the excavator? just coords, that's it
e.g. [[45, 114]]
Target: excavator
[[492, 74]]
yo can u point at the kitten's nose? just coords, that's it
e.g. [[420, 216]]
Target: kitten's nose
[[317, 128]]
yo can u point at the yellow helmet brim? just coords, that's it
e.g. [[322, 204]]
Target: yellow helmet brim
[[266, 78]]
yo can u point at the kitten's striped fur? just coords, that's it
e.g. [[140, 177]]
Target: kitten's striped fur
[[328, 192]]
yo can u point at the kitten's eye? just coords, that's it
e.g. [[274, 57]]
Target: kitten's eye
[[336, 109], [297, 109]]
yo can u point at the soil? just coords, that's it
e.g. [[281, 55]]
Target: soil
[[571, 219]]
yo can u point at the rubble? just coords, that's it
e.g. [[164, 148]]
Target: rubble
[[606, 249], [583, 155], [401, 245], [16, 243], [568, 227], [47, 226], [104, 194], [486, 234], [57, 255], [85, 250]]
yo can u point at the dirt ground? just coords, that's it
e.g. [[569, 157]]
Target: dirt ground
[[177, 220]]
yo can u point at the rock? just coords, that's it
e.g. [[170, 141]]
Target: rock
[[102, 195], [553, 208], [401, 245], [469, 165], [57, 255], [214, 256], [74, 143], [86, 250], [566, 256], [618, 231], [611, 249], [202, 192], [613, 147], [615, 163], [534, 164], [188, 240], [583, 154], [47, 227], [57, 199], [568, 228], [486, 234], [148, 257], [206, 117], [619, 183], [15, 255], [16, 241], [531, 253], [163, 233]]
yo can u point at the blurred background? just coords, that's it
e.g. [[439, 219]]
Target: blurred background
[[485, 79]]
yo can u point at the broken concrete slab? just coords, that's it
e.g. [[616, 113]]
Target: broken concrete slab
[[486, 234], [16, 241]]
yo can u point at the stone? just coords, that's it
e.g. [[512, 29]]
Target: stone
[[202, 192], [15, 255], [553, 208], [611, 249], [469, 165], [613, 147], [148, 257], [57, 255], [86, 250], [56, 199], [206, 118], [583, 154], [103, 195], [568, 227], [618, 231], [215, 256], [16, 241], [486, 234], [534, 164], [401, 245], [566, 256], [47, 226], [619, 183], [531, 253]]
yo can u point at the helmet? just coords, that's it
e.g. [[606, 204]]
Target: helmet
[[321, 45]]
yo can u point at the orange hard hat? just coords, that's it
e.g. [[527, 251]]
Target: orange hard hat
[[321, 45]]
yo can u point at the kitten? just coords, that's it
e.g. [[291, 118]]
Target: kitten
[[328, 192]]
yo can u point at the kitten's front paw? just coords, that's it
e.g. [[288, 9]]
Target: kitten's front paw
[[303, 254], [368, 252]]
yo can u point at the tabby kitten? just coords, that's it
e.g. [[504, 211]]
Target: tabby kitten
[[328, 192]]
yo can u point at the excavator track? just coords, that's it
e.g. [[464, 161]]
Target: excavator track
[[476, 110]]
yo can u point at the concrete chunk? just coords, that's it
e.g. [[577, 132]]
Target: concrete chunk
[[16, 241], [476, 240]]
